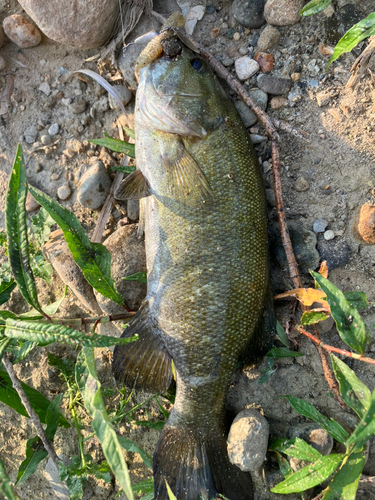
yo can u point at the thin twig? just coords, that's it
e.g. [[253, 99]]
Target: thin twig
[[33, 416], [98, 319]]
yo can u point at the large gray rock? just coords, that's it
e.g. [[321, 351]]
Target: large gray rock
[[283, 12], [82, 24], [249, 13], [94, 186], [128, 258]]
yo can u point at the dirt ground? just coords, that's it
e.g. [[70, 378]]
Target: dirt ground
[[337, 164]]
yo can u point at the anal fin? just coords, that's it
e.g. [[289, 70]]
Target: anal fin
[[134, 187], [145, 363]]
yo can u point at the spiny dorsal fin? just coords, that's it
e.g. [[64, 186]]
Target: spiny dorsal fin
[[186, 181], [134, 187]]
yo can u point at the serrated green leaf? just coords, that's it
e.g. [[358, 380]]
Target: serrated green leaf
[[6, 288], [93, 259], [141, 277], [89, 385], [365, 429], [283, 352], [312, 317], [16, 228], [357, 299], [282, 335], [46, 333], [310, 476], [349, 323], [354, 392], [129, 445], [146, 486], [297, 448], [356, 34], [6, 487], [307, 410], [115, 145], [345, 483], [314, 7]]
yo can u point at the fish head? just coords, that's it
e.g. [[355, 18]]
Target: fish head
[[179, 94]]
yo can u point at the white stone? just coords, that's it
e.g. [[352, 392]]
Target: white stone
[[64, 192], [246, 67], [54, 129], [329, 235], [45, 88], [193, 15]]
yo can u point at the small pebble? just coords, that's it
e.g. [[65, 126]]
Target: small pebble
[[210, 9], [62, 70], [323, 98], [132, 209], [320, 225], [215, 32], [317, 437], [266, 61], [37, 167], [55, 176], [64, 192], [31, 134], [94, 186], [301, 184], [295, 77], [66, 101], [274, 85], [257, 139], [124, 94], [31, 203], [45, 88], [336, 252], [227, 61], [269, 37], [236, 37], [243, 50], [46, 139], [246, 67], [79, 106], [193, 15], [21, 31], [278, 102], [54, 129], [329, 235], [245, 112]]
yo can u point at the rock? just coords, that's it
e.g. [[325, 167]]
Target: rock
[[128, 257], [54, 129], [1, 36], [101, 105], [46, 139], [301, 184], [227, 61], [94, 186], [257, 139], [246, 114], [278, 102], [335, 252], [246, 67], [75, 145], [248, 440], [64, 192], [21, 31], [296, 76], [78, 106], [283, 12], [320, 225], [193, 15], [274, 85], [31, 203], [266, 61], [314, 435], [57, 252], [329, 235], [124, 94], [268, 38], [132, 209], [127, 60], [366, 223], [326, 325], [249, 13], [55, 176], [45, 88], [323, 98], [31, 134], [73, 23], [3, 63]]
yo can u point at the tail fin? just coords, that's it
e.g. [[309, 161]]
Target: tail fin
[[196, 466]]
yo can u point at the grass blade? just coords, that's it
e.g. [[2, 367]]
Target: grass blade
[[345, 483], [355, 394], [129, 445], [6, 288], [307, 410], [6, 487], [50, 310], [46, 333], [314, 7], [92, 258], [146, 486], [349, 323], [171, 496], [16, 228], [89, 385], [365, 429], [309, 476], [116, 145], [141, 277], [297, 448], [282, 335]]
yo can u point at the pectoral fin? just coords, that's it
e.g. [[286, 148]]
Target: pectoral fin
[[134, 187], [185, 178]]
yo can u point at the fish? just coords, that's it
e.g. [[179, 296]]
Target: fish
[[209, 301]]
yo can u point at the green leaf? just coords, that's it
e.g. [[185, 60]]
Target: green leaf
[[282, 335], [349, 323], [6, 487], [46, 333], [307, 410], [283, 352], [9, 396], [74, 482], [6, 288], [92, 258], [171, 496], [354, 392], [116, 145], [124, 168], [146, 486], [365, 429], [312, 317], [357, 299], [345, 483], [16, 228], [356, 34], [141, 277], [314, 7], [130, 132], [21, 352], [89, 385], [4, 343], [267, 374], [284, 465], [309, 476], [297, 448], [35, 453], [129, 445], [41, 224], [159, 424]]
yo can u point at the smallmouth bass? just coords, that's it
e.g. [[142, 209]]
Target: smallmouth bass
[[208, 298]]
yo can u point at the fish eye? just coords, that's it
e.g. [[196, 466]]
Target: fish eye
[[197, 64]]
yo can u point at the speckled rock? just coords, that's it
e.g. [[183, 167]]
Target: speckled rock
[[249, 13], [336, 252], [94, 186], [128, 257], [78, 106], [248, 440], [278, 102], [57, 252], [301, 184], [283, 12], [31, 134], [72, 23], [320, 225], [64, 192], [246, 67], [245, 112], [266, 61], [366, 223], [21, 31], [268, 38], [274, 85], [124, 94]]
